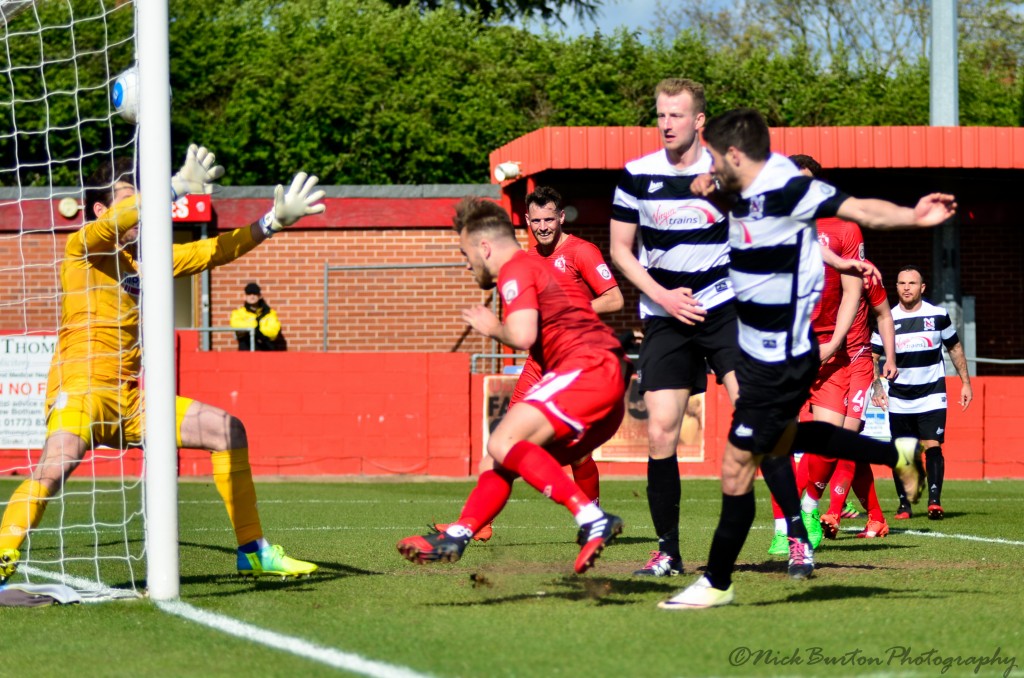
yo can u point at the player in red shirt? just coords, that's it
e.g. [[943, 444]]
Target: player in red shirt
[[847, 472], [576, 406], [576, 262]]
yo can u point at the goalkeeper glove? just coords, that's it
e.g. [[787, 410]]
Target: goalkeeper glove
[[291, 206], [197, 174]]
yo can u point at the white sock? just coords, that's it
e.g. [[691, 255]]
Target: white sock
[[780, 525], [807, 504], [589, 514]]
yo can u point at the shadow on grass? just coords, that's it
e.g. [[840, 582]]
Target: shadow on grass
[[570, 540], [234, 584], [870, 545], [782, 567], [837, 592], [601, 590]]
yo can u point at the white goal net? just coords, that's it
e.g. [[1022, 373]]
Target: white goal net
[[58, 63]]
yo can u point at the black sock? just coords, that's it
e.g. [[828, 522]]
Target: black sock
[[781, 481], [818, 437], [663, 494], [733, 526], [900, 492], [935, 466]]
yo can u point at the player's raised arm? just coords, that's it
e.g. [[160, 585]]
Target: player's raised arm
[[931, 210], [299, 201]]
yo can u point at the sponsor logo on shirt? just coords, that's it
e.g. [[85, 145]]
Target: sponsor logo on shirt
[[602, 270], [683, 215], [509, 291], [655, 186], [913, 343]]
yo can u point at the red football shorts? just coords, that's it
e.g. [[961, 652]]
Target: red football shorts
[[830, 390], [584, 400], [530, 375], [862, 373]]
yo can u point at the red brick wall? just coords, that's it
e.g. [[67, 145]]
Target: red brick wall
[[377, 310], [30, 280]]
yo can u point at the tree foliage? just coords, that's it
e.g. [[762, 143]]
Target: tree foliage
[[361, 92], [487, 10]]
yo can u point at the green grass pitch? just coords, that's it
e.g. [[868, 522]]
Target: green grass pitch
[[931, 599]]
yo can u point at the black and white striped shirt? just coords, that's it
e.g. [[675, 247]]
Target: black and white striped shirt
[[776, 270], [920, 336], [683, 239]]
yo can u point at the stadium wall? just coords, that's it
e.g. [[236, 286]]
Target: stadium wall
[[313, 414]]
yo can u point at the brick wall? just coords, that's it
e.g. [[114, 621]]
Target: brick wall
[[30, 280]]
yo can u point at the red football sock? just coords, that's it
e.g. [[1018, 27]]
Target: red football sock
[[864, 488], [776, 509], [842, 477], [819, 469], [587, 478], [487, 499], [544, 474]]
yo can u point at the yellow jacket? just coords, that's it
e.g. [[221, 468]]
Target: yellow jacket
[[264, 320]]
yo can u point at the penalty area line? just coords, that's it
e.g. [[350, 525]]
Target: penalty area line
[[296, 646]]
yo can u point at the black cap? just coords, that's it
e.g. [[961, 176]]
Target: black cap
[[252, 288]]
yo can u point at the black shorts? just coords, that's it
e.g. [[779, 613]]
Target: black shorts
[[923, 425], [771, 395], [676, 356]]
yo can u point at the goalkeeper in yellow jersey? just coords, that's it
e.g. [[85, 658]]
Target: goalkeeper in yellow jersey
[[93, 395]]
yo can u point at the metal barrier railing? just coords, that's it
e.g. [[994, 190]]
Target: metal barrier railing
[[996, 361], [369, 267], [251, 330]]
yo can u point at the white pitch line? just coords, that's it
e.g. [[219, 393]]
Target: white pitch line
[[943, 535], [297, 646], [964, 537]]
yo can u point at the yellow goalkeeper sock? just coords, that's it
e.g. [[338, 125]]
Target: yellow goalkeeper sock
[[24, 511], [233, 477]]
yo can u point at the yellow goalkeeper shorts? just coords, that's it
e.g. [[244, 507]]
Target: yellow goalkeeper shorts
[[103, 413]]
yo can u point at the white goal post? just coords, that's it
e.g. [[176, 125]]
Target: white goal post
[[58, 63]]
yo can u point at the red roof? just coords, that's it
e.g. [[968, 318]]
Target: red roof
[[560, 148]]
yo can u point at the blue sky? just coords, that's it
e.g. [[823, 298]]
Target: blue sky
[[614, 13], [634, 14]]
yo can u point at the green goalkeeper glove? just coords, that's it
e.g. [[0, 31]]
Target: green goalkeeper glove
[[289, 207], [197, 174]]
